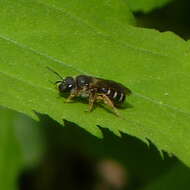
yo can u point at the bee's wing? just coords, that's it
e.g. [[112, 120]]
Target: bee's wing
[[109, 84], [127, 91]]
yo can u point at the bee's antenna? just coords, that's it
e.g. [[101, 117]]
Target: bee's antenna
[[55, 73]]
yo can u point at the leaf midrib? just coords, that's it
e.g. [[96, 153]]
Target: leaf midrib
[[25, 47], [27, 82]]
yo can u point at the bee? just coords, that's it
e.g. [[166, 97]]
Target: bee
[[95, 89]]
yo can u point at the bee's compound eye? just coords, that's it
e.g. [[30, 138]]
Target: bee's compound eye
[[67, 84], [70, 86], [62, 87], [69, 81]]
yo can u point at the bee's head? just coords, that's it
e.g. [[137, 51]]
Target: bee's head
[[66, 85]]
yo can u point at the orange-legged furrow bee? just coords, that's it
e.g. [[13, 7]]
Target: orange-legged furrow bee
[[95, 89]]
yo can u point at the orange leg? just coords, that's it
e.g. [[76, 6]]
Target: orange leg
[[108, 102], [71, 96], [92, 99]]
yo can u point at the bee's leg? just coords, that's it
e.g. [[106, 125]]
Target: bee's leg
[[108, 102], [92, 99], [69, 99], [73, 94]]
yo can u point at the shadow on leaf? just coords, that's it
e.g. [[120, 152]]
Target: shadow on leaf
[[73, 156]]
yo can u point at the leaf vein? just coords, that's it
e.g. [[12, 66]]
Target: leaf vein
[[39, 53], [101, 33]]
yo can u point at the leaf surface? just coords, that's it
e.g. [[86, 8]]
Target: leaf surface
[[146, 5], [155, 66]]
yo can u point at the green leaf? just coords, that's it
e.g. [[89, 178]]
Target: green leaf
[[154, 65], [146, 5], [101, 12]]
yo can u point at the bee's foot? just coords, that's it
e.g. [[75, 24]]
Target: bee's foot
[[68, 101], [87, 111]]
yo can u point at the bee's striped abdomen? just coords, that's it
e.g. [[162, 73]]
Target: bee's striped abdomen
[[117, 97]]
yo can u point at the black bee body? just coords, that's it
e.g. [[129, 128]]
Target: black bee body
[[93, 88], [87, 85], [115, 91]]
